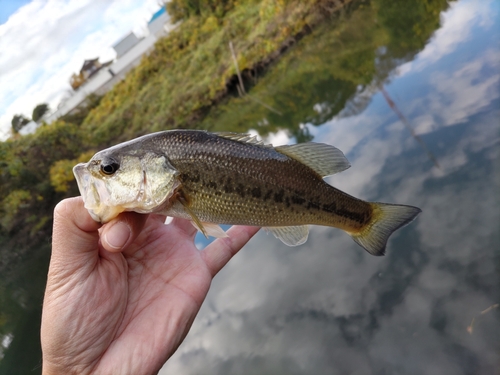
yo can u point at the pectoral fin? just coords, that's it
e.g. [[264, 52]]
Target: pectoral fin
[[209, 229], [195, 221], [291, 236]]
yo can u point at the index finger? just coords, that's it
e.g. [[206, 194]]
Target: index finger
[[218, 253]]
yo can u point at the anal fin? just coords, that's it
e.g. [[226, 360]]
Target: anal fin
[[291, 236]]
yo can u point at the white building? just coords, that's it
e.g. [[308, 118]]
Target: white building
[[125, 44], [129, 51]]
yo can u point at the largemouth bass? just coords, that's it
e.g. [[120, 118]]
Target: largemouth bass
[[230, 178]]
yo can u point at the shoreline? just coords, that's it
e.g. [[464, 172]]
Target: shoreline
[[186, 75], [37, 170]]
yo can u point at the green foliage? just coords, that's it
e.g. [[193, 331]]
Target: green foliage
[[311, 83], [48, 144], [191, 70], [409, 24], [39, 111], [11, 204], [183, 9], [61, 175], [61, 172], [28, 195], [18, 122], [177, 85]]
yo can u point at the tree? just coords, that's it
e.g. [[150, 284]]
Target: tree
[[39, 111], [18, 122]]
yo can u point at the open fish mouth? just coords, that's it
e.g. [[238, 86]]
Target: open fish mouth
[[85, 185], [95, 194]]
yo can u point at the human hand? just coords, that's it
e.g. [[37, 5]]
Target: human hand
[[120, 298]]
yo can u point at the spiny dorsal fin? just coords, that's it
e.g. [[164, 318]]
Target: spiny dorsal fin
[[322, 158], [291, 236], [244, 138]]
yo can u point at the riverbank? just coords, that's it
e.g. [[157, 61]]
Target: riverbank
[[189, 72], [332, 71], [175, 86], [192, 69]]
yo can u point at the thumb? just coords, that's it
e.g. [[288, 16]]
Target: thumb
[[75, 236], [120, 232]]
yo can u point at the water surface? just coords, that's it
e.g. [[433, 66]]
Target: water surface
[[328, 307]]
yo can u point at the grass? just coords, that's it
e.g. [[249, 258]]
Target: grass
[[174, 86], [191, 69]]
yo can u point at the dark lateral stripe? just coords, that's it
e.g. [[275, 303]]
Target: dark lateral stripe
[[298, 200], [256, 193], [358, 217], [278, 197]]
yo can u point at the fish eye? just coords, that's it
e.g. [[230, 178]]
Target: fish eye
[[109, 168]]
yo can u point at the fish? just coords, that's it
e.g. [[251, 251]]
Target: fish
[[232, 178]]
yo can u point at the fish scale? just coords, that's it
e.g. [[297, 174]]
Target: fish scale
[[251, 167], [229, 178]]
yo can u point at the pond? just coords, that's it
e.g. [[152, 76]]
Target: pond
[[410, 92], [419, 120]]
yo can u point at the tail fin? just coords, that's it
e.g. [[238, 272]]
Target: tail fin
[[387, 218]]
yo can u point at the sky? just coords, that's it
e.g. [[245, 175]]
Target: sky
[[43, 42]]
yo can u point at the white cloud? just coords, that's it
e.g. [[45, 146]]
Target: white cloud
[[464, 89], [457, 23], [46, 41], [278, 139], [456, 94]]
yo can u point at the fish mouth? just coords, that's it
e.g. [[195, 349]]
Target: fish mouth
[[98, 199], [84, 181], [94, 194]]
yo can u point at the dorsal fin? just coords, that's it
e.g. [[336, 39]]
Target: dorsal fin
[[244, 138], [322, 158]]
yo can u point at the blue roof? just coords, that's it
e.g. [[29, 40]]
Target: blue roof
[[157, 14]]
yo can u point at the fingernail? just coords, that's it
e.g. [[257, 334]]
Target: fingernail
[[118, 235]]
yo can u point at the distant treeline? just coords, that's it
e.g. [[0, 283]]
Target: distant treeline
[[191, 70]]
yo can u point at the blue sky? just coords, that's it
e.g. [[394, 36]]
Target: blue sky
[[8, 7], [36, 62]]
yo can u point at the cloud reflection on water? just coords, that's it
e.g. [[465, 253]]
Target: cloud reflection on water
[[327, 306]]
